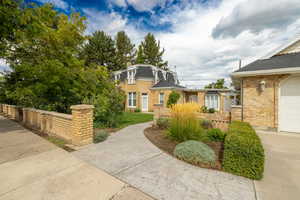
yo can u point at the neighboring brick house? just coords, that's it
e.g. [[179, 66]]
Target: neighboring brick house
[[270, 90], [147, 85]]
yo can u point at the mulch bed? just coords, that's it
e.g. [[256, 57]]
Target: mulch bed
[[158, 138]]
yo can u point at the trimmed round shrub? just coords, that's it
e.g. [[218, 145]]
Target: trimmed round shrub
[[195, 152], [100, 136], [216, 135], [163, 123]]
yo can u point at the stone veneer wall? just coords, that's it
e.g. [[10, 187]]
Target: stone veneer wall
[[260, 108], [76, 128], [236, 113]]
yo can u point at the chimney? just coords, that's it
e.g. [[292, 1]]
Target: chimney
[[240, 63]]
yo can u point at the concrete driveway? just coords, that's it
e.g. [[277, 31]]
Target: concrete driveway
[[129, 156], [31, 168], [282, 168]]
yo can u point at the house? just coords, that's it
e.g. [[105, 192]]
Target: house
[[146, 86], [270, 90]]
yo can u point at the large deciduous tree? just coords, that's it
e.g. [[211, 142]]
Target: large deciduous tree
[[46, 69], [149, 52], [125, 50]]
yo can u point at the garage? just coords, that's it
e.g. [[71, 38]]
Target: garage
[[289, 105]]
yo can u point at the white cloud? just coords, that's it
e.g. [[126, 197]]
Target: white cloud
[[3, 65], [57, 3], [258, 15], [120, 3], [140, 5], [199, 57], [111, 23]]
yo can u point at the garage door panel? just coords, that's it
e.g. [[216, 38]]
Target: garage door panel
[[289, 118]]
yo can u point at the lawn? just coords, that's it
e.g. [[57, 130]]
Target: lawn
[[129, 118]]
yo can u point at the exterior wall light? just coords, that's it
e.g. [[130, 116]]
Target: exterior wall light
[[262, 86]]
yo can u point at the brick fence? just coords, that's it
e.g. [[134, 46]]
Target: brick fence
[[219, 120], [76, 128]]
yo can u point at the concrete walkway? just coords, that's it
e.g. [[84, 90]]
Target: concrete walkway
[[129, 156], [282, 168], [31, 168]]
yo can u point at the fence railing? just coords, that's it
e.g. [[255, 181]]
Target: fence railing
[[219, 120]]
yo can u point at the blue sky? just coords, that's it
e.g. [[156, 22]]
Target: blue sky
[[204, 39]]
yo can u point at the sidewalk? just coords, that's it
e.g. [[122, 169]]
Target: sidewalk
[[32, 168]]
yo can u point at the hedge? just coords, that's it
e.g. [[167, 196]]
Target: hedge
[[243, 151]]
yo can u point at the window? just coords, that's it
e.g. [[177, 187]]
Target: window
[[130, 75], [212, 101], [132, 99], [117, 77], [161, 98]]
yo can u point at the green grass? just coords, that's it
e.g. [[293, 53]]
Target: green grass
[[57, 141], [129, 118]]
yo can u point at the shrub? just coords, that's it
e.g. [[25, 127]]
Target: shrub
[[173, 98], [184, 124], [137, 110], [216, 135], [163, 123], [211, 110], [243, 151], [195, 152], [204, 109], [100, 136], [206, 124]]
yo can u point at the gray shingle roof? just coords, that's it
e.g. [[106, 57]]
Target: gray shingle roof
[[165, 83], [275, 62], [144, 72]]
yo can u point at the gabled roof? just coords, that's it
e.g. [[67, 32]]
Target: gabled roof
[[276, 62], [284, 60]]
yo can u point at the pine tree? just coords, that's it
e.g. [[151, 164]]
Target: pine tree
[[149, 52], [140, 56], [125, 51], [100, 50]]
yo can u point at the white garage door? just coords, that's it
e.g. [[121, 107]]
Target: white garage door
[[289, 107]]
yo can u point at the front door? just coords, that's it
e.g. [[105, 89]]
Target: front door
[[144, 102]]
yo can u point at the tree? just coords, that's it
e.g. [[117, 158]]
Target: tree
[[9, 22], [47, 71], [220, 84], [100, 50], [173, 98], [149, 52], [125, 51]]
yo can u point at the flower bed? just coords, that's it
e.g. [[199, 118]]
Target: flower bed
[[190, 139]]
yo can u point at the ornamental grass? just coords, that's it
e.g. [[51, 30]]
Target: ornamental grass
[[184, 123]]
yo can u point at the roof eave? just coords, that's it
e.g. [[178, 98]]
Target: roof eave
[[161, 88], [291, 70]]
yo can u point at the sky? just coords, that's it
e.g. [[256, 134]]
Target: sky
[[204, 39]]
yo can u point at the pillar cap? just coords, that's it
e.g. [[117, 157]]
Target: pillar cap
[[82, 107]]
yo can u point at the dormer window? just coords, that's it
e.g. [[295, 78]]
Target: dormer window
[[131, 76], [155, 77], [117, 77]]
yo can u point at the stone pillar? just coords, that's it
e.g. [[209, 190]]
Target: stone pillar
[[82, 124]]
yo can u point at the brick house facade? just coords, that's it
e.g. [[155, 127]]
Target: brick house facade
[[270, 90], [146, 86]]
